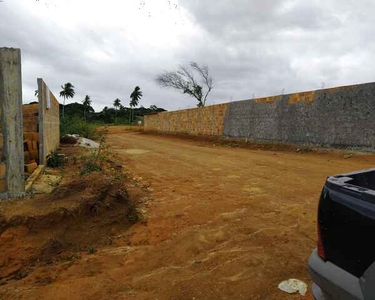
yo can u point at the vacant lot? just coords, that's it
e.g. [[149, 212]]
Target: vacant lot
[[218, 223]]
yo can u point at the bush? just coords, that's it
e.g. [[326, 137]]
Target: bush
[[95, 161], [55, 160], [77, 126]]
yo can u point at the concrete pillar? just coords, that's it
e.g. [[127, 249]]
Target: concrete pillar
[[42, 150], [11, 121]]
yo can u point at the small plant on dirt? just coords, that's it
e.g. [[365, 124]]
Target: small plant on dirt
[[91, 163], [91, 250], [95, 161], [55, 160], [118, 176]]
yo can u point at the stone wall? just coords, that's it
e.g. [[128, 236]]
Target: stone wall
[[340, 117], [49, 121], [208, 120]]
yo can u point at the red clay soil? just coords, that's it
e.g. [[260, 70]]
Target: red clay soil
[[42, 232], [217, 223]]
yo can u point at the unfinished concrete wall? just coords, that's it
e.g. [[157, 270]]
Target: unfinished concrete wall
[[12, 161], [49, 122], [208, 120], [2, 158], [340, 117]]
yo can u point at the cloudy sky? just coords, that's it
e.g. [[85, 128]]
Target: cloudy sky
[[252, 47]]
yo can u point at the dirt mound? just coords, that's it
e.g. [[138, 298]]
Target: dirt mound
[[102, 209]]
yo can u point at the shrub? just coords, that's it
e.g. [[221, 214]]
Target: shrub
[[95, 161], [55, 160], [77, 126]]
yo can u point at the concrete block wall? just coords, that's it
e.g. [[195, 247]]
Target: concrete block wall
[[43, 117], [49, 121], [339, 117]]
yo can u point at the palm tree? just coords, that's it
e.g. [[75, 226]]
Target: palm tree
[[86, 104], [135, 96], [117, 105], [67, 92], [36, 93]]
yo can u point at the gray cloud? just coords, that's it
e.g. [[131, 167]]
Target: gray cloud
[[251, 47]]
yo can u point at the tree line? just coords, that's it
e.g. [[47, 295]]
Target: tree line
[[115, 114], [193, 80]]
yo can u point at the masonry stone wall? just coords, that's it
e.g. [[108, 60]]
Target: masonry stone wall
[[208, 120], [341, 117]]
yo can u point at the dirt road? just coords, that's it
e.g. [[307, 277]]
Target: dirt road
[[220, 223]]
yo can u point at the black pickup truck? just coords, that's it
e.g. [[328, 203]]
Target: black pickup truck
[[343, 265]]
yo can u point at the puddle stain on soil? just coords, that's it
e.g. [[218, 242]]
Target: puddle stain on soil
[[253, 190], [136, 151], [233, 176]]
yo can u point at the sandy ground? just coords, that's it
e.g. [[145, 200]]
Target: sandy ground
[[220, 223]]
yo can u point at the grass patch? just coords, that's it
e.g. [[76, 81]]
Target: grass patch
[[55, 160]]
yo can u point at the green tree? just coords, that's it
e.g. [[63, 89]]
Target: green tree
[[135, 96], [117, 105], [86, 105], [67, 92], [36, 93]]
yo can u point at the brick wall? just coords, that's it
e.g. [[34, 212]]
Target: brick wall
[[30, 116], [339, 117], [49, 121], [208, 120]]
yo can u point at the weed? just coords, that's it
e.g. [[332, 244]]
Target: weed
[[91, 163], [55, 160], [95, 161], [91, 250]]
